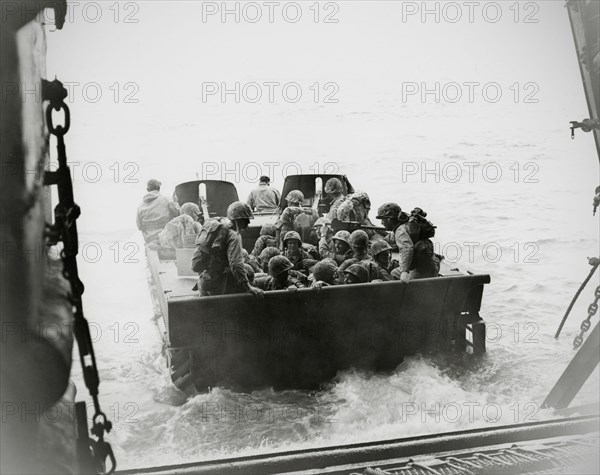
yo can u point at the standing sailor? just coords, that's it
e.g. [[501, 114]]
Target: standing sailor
[[263, 197], [155, 212], [218, 257]]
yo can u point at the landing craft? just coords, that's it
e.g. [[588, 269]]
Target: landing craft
[[35, 368], [301, 340]]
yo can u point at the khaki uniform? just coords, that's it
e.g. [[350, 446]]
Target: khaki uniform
[[404, 237], [264, 198]]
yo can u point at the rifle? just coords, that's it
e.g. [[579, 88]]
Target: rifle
[[351, 226]]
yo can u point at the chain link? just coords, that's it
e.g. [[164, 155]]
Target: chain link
[[586, 324], [64, 229]]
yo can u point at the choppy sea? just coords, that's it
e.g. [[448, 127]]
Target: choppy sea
[[508, 189]]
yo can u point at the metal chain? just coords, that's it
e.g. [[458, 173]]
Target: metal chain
[[66, 213], [586, 324]]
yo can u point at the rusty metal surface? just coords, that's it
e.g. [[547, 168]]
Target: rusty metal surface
[[298, 340]]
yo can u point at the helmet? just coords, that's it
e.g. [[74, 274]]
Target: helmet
[[362, 198], [379, 246], [325, 270], [359, 239], [295, 196], [388, 210], [322, 221], [334, 185], [268, 230], [239, 210], [191, 209], [279, 264], [267, 253], [358, 271], [292, 235], [342, 236]]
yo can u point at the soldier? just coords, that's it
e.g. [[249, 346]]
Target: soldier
[[155, 212], [268, 237], [402, 234], [296, 217], [342, 246], [355, 208], [300, 259], [356, 274], [334, 189], [359, 242], [381, 252], [218, 257], [324, 232], [181, 231], [264, 198], [325, 273], [260, 278], [265, 257], [281, 275]]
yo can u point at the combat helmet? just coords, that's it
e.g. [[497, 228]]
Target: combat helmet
[[343, 236], [325, 270], [324, 220], [334, 185], [239, 210], [359, 272], [267, 253], [295, 196], [359, 239], [379, 246], [278, 265], [292, 235], [388, 210], [268, 230]]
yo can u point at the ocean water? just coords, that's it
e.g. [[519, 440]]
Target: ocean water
[[508, 189]]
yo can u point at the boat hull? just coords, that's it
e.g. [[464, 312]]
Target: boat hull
[[298, 340]]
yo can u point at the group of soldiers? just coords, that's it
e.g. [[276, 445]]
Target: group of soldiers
[[286, 255]]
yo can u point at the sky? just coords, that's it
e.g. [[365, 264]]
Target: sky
[[147, 76]]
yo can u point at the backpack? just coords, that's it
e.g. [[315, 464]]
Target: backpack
[[210, 242], [303, 221], [427, 229]]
